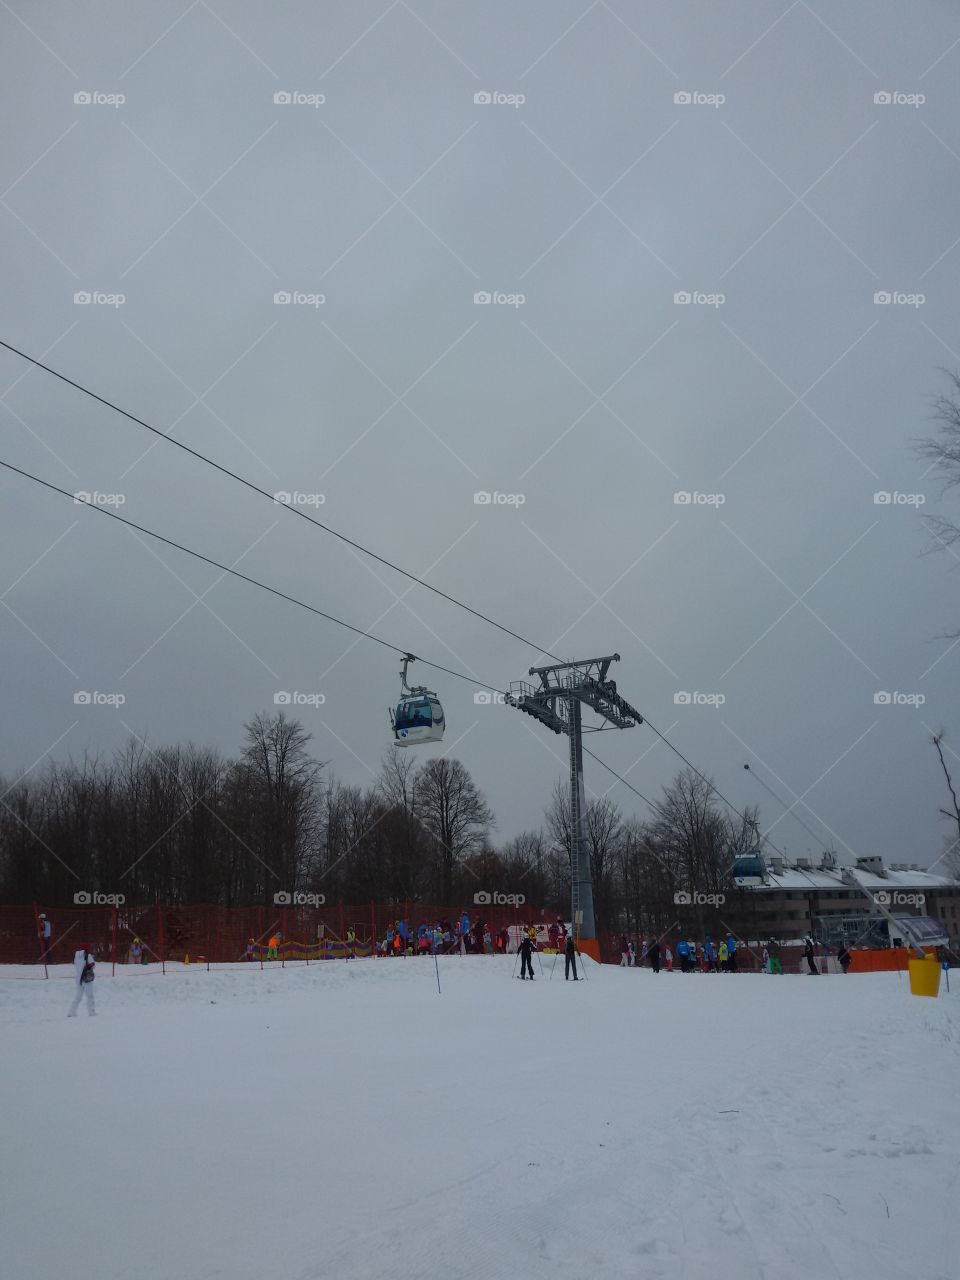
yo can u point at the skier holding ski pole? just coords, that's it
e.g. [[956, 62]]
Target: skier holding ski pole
[[525, 951], [570, 960]]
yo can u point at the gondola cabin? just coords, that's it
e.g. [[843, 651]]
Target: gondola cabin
[[418, 718], [748, 870]]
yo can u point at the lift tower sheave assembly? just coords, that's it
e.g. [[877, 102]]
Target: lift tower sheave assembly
[[556, 702]]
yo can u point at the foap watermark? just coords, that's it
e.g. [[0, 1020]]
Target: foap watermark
[[695, 298], [294, 698], [894, 498], [297, 98], [495, 98], [896, 898], [94, 698], [94, 898], [283, 898], [84, 497], [682, 698], [484, 498], [884, 699], [697, 98], [297, 298], [693, 898], [97, 298], [96, 98], [694, 498], [896, 98], [284, 498], [496, 298], [482, 898], [488, 698], [895, 298]]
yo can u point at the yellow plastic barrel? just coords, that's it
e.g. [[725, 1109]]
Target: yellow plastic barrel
[[924, 977]]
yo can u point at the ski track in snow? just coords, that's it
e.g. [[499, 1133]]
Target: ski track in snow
[[346, 1120]]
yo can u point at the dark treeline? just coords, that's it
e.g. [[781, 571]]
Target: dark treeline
[[184, 824]]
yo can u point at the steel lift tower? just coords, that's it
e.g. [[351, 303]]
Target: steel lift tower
[[556, 702]]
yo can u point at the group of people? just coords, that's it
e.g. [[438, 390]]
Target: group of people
[[712, 956], [443, 937], [709, 956], [462, 936]]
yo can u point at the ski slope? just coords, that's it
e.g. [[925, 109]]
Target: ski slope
[[346, 1120]]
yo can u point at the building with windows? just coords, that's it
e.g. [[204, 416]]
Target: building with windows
[[825, 900]]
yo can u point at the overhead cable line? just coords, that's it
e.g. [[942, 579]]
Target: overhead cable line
[[264, 493], [255, 582], [304, 515]]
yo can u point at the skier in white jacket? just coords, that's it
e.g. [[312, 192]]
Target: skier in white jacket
[[83, 963]]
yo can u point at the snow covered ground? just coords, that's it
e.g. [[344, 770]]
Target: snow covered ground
[[345, 1120]]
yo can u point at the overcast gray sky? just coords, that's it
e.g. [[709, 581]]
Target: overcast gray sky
[[628, 155]]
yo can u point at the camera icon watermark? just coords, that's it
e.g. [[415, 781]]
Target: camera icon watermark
[[94, 98], [897, 898], [694, 498], [894, 98], [896, 699], [97, 298], [896, 298], [297, 298], [94, 698], [486, 498], [697, 298], [284, 898], [286, 498], [496, 298], [84, 497], [494, 98], [295, 98], [482, 898], [894, 498], [696, 98], [294, 698], [683, 698], [688, 898], [84, 898]]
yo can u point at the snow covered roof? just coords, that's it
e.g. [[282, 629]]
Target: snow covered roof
[[819, 878]]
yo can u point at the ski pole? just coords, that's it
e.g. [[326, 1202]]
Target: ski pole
[[437, 963]]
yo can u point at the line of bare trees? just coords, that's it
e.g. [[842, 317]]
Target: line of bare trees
[[184, 824]]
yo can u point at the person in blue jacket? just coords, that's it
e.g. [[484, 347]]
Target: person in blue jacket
[[731, 953], [683, 951]]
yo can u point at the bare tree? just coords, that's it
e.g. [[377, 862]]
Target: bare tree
[[943, 450], [455, 813], [288, 781], [952, 855], [604, 834]]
